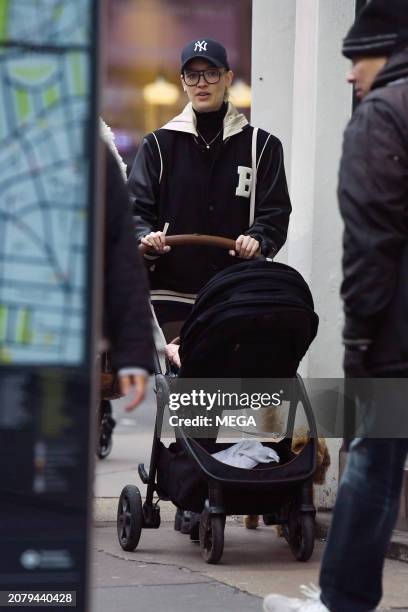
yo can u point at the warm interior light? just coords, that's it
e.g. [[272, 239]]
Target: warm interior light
[[240, 94], [161, 92]]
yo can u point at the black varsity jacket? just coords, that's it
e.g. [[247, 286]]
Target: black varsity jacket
[[173, 182]]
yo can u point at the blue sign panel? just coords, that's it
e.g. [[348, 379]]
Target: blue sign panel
[[45, 106]]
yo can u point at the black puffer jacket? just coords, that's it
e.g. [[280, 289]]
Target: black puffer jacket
[[127, 317], [373, 195]]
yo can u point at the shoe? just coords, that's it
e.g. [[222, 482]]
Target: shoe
[[251, 521], [104, 446], [188, 521], [178, 519], [195, 531], [108, 424], [280, 603]]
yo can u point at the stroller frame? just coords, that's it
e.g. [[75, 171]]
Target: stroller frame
[[296, 515], [298, 519]]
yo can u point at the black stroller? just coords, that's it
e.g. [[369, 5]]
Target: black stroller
[[253, 320]]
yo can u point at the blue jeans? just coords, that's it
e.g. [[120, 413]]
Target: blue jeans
[[365, 513]]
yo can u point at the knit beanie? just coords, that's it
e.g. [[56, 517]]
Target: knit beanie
[[380, 28]]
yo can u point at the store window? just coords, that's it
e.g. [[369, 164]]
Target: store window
[[143, 42]]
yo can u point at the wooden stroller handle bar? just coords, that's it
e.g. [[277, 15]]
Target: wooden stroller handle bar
[[202, 239]]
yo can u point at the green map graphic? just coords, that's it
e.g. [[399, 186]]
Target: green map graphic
[[44, 176], [43, 22]]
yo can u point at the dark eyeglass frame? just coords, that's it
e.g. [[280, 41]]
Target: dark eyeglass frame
[[200, 73]]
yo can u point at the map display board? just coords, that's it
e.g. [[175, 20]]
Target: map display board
[[48, 224], [45, 55]]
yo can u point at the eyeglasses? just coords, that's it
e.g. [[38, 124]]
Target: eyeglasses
[[192, 77]]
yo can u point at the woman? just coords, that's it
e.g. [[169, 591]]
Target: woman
[[207, 171]]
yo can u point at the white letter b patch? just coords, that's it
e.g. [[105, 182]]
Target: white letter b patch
[[245, 182]]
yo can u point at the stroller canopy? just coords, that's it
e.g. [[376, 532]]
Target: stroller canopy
[[254, 319]]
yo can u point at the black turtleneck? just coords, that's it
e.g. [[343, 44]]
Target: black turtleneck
[[209, 124]]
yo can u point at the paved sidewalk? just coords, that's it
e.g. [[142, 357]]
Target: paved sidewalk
[[153, 578], [167, 573]]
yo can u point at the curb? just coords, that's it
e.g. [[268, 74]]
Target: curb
[[105, 509], [397, 550]]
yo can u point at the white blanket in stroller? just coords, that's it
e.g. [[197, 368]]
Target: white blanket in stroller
[[247, 454]]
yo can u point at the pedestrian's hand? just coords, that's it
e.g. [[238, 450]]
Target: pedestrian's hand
[[246, 247], [157, 242], [135, 385]]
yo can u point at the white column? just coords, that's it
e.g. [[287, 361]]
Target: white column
[[273, 48], [273, 52], [333, 110], [300, 94], [302, 184]]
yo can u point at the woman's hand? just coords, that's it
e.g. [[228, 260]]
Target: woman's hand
[[172, 354], [157, 242], [246, 247]]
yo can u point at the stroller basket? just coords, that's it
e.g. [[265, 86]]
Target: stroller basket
[[185, 482]]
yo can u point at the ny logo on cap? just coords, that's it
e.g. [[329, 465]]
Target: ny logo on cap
[[200, 46]]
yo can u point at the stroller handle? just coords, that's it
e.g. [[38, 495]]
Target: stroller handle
[[194, 239]]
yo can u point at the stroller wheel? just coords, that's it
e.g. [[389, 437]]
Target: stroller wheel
[[106, 426], [211, 535], [104, 447], [129, 518], [189, 521], [301, 535]]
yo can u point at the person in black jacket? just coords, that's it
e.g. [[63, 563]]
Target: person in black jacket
[[127, 315], [373, 196], [207, 171]]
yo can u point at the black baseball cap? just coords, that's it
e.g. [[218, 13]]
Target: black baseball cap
[[206, 48]]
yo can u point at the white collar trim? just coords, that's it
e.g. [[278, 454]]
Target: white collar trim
[[233, 122]]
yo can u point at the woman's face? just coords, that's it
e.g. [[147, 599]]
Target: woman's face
[[207, 97]]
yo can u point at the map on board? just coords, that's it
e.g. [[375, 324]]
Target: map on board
[[44, 108]]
